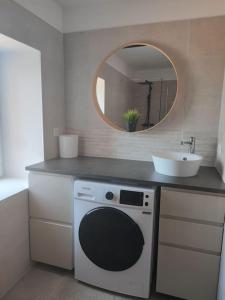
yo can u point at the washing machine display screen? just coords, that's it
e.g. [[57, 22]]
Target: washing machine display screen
[[131, 198]]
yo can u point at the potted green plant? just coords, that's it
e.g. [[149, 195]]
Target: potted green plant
[[131, 118]]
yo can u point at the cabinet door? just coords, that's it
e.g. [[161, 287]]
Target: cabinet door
[[221, 285], [51, 243], [193, 235], [187, 274], [193, 205], [51, 197]]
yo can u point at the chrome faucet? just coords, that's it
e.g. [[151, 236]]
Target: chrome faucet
[[190, 143]]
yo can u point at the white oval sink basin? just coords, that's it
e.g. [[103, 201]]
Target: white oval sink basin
[[176, 163]]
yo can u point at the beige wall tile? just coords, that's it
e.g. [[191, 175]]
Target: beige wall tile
[[197, 48], [202, 109], [207, 36], [205, 75]]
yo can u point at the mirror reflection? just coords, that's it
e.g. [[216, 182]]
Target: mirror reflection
[[136, 87]]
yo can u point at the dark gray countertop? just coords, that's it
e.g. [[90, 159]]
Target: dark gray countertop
[[129, 172]]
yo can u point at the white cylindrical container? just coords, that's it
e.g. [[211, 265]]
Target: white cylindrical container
[[68, 146]]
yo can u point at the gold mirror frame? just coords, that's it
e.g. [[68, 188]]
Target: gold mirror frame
[[95, 99]]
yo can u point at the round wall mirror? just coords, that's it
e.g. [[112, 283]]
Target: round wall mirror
[[135, 87]]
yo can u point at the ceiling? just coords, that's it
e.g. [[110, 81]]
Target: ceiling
[[82, 15], [142, 58]]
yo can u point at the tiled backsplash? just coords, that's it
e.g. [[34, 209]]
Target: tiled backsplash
[[197, 48], [140, 146]]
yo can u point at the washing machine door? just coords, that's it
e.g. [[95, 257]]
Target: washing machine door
[[110, 239]]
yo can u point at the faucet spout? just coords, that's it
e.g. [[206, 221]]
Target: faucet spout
[[190, 143]]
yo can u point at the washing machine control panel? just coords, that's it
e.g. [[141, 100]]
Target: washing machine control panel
[[113, 194], [132, 197], [109, 195]]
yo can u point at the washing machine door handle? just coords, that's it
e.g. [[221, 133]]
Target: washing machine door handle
[[147, 213], [111, 239]]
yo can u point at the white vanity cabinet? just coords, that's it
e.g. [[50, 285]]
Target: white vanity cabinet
[[190, 239], [51, 219]]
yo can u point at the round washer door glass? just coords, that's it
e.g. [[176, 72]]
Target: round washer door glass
[[110, 239]]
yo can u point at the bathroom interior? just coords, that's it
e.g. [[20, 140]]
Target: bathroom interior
[[112, 149]]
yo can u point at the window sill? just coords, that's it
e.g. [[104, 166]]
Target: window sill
[[11, 186]]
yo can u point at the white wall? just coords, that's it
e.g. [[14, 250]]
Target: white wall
[[1, 156], [20, 109], [220, 163], [14, 237], [47, 10], [91, 15], [20, 24]]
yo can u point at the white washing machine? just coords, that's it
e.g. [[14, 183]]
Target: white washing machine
[[113, 227]]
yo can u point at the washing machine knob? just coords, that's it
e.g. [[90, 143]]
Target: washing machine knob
[[109, 195]]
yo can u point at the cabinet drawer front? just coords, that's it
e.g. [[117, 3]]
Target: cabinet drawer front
[[187, 274], [193, 205], [199, 236], [51, 243], [51, 197]]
